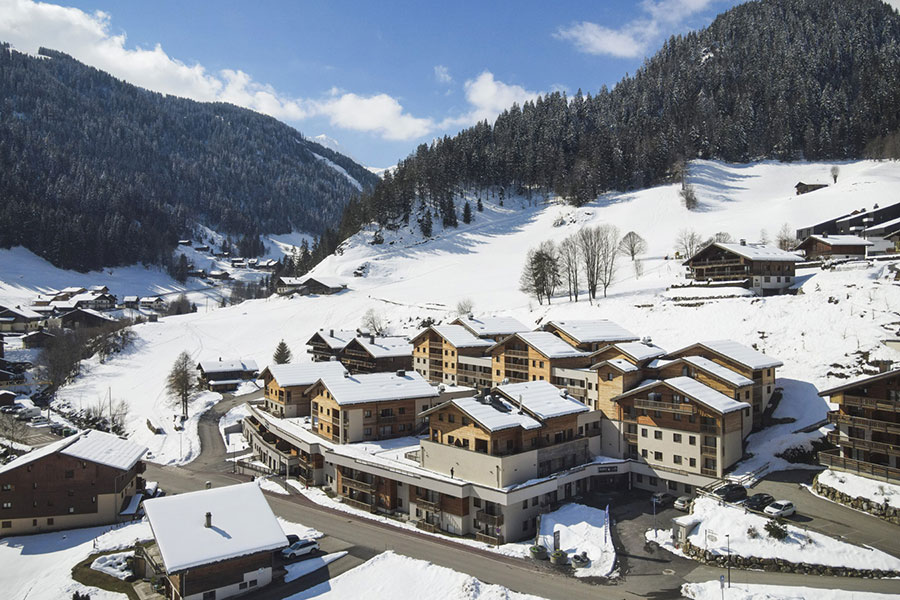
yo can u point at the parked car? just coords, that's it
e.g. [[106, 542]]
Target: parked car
[[300, 548], [780, 508], [759, 501], [662, 499], [683, 503], [40, 421], [731, 492], [292, 539]]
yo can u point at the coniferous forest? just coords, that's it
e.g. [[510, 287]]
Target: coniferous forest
[[776, 79], [97, 172]]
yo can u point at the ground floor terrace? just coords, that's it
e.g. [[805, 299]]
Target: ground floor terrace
[[387, 477]]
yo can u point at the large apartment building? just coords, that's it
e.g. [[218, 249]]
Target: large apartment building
[[286, 386], [867, 427], [451, 355], [80, 481], [491, 328]]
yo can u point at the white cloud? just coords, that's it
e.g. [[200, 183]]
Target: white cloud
[[488, 97], [379, 114], [634, 38], [442, 74]]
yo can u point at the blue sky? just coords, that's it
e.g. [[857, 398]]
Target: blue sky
[[379, 77]]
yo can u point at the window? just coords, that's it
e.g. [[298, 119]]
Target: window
[[541, 364], [657, 456], [449, 439], [692, 440], [7, 487], [525, 504], [242, 585], [676, 437], [70, 474], [70, 493], [644, 452], [643, 432], [210, 595], [677, 459], [693, 462], [451, 418], [673, 485], [687, 488], [676, 416], [34, 522], [7, 505], [534, 501], [639, 478], [367, 413], [71, 510], [476, 502], [465, 421], [6, 524], [652, 481], [252, 583], [609, 376], [440, 416], [657, 435], [50, 521], [367, 431], [525, 525]]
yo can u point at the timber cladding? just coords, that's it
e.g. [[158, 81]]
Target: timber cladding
[[220, 574], [58, 484]]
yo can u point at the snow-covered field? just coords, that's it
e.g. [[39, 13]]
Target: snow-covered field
[[710, 590], [391, 576], [723, 528], [581, 529], [408, 279], [878, 492]]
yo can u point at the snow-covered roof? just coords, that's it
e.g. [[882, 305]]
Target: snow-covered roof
[[332, 282], [105, 449], [494, 415], [886, 226], [717, 370], [759, 252], [639, 351], [460, 337], [692, 388], [550, 345], [25, 313], [493, 326], [291, 281], [90, 445], [378, 387], [839, 240], [72, 290], [862, 381], [619, 363], [305, 373], [242, 524], [741, 354], [542, 399], [386, 347], [130, 299], [336, 339], [227, 366], [593, 330], [93, 313]]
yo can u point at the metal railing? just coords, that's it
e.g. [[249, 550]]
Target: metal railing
[[708, 450]]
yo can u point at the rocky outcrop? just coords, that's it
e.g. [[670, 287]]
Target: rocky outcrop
[[882, 511]]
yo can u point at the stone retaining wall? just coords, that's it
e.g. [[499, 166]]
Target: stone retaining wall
[[779, 565], [882, 511]]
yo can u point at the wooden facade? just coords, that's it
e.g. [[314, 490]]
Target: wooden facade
[[715, 263], [820, 247], [867, 427], [364, 421], [515, 360], [213, 576], [358, 359], [439, 361]]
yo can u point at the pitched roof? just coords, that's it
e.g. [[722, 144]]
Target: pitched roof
[[460, 337], [638, 351], [331, 282], [759, 252], [492, 326], [493, 415], [227, 366], [242, 524], [549, 345], [593, 330], [25, 313], [542, 399], [386, 347], [89, 445], [378, 387], [292, 281], [618, 363], [305, 373], [739, 353], [862, 381], [693, 389], [838, 240], [336, 339], [717, 370]]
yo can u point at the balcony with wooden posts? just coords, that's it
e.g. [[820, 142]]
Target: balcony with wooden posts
[[493, 540], [708, 450], [510, 353], [708, 472], [429, 505], [870, 424], [357, 484], [426, 526], [838, 439], [672, 407], [489, 519], [870, 403], [833, 460], [369, 507]]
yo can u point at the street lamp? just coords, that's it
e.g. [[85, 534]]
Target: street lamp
[[653, 502], [728, 564]]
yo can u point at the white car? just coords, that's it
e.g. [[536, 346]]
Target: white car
[[780, 508], [300, 548]]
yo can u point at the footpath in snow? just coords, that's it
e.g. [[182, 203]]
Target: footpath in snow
[[711, 590], [721, 529]]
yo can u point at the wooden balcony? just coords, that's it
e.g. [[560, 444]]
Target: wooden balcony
[[516, 353], [357, 504], [492, 520], [871, 403], [356, 484], [672, 407], [880, 447], [833, 460], [494, 540], [426, 526], [630, 437], [429, 505], [708, 472], [709, 428], [870, 424], [727, 262]]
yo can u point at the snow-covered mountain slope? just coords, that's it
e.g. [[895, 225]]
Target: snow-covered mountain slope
[[408, 279]]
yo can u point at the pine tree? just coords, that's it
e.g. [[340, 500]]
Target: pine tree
[[480, 206], [425, 224], [467, 213], [282, 354]]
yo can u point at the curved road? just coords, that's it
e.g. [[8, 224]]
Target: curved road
[[657, 576]]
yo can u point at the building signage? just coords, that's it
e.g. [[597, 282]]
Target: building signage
[[611, 469]]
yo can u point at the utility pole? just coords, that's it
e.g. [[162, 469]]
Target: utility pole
[[728, 564]]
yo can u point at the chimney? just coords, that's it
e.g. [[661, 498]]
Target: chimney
[[884, 366], [208, 520], [824, 234], [372, 339], [331, 332], [401, 373], [564, 392], [346, 374], [743, 242], [520, 405]]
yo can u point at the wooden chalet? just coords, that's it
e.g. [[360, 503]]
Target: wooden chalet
[[328, 344], [290, 285], [153, 303], [805, 188], [7, 398], [213, 543], [17, 319], [450, 354], [36, 339], [286, 386], [372, 354], [371, 406], [88, 479], [740, 359], [86, 318], [867, 427], [226, 375], [830, 246], [491, 328], [323, 285], [763, 269], [590, 335], [131, 302], [531, 356]]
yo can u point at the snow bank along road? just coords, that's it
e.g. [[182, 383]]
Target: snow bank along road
[[363, 539]]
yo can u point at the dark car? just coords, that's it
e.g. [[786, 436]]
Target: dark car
[[759, 501], [292, 539], [662, 499], [732, 492]]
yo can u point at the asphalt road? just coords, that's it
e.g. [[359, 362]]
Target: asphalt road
[[646, 573]]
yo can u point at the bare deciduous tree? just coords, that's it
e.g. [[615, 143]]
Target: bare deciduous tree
[[374, 322], [608, 254], [688, 242], [464, 307], [835, 171], [638, 268], [182, 380], [12, 429], [689, 196], [632, 245], [570, 259], [785, 238], [764, 236], [589, 244]]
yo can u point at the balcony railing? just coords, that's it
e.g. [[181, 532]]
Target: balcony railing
[[727, 262], [387, 418], [426, 526], [871, 424], [709, 428], [494, 540], [429, 505], [673, 407], [708, 472], [708, 450], [356, 484], [489, 519], [357, 504], [881, 447], [832, 459], [516, 353], [873, 403]]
